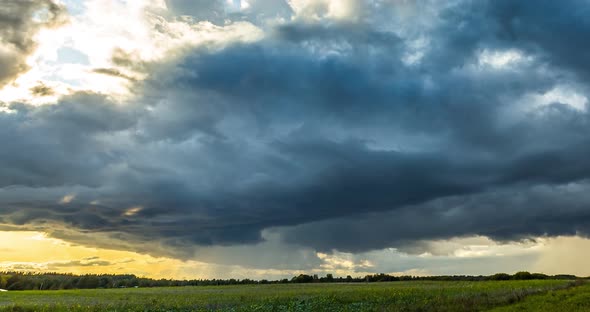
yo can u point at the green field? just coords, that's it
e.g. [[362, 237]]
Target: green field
[[390, 296], [572, 299]]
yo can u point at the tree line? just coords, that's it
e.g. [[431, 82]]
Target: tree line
[[56, 281]]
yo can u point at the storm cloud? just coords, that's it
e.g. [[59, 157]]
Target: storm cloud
[[334, 133]]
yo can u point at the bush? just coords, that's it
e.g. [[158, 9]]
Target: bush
[[523, 275], [500, 277]]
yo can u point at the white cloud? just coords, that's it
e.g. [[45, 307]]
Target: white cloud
[[136, 28], [562, 94], [326, 9], [500, 59], [67, 199], [132, 211], [416, 48], [343, 262]]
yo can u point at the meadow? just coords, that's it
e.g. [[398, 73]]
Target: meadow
[[386, 296]]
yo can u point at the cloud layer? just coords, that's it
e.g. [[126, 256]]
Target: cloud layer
[[20, 21], [353, 127]]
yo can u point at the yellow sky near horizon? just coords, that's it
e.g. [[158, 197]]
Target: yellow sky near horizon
[[34, 251]]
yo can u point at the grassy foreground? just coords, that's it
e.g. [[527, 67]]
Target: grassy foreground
[[391, 296], [572, 299]]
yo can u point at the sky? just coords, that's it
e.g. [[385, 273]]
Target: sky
[[267, 138]]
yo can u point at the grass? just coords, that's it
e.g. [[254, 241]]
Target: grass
[[571, 299], [393, 296]]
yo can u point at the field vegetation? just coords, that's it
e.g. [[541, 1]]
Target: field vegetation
[[383, 296], [59, 281], [571, 300]]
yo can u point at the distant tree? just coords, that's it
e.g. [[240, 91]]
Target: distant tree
[[3, 281], [523, 275], [539, 276], [500, 277], [14, 283], [564, 276], [54, 281], [329, 278], [88, 282], [302, 278]]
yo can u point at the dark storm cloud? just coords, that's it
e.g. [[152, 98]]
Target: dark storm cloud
[[554, 31], [323, 131], [58, 145], [20, 20], [507, 214]]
